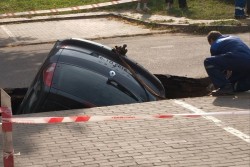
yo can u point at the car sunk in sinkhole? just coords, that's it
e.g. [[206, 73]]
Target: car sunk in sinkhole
[[79, 73]]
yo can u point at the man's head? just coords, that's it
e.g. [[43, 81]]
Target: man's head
[[213, 36]]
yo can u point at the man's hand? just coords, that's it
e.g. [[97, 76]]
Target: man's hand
[[121, 50]]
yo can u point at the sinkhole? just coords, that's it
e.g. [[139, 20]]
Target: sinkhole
[[175, 86]]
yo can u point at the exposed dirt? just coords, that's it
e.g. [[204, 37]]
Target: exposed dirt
[[17, 95], [182, 87]]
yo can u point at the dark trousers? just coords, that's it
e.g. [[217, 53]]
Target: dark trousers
[[240, 81], [240, 65], [169, 1], [240, 7], [182, 3], [248, 7]]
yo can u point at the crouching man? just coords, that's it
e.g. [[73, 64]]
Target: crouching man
[[229, 64]]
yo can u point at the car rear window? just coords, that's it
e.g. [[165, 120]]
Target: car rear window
[[89, 86]]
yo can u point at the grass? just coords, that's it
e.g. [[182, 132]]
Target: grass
[[197, 9], [8, 6]]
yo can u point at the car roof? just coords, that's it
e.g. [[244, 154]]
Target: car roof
[[101, 54]]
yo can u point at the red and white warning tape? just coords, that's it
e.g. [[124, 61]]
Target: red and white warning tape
[[85, 7], [8, 151], [86, 118]]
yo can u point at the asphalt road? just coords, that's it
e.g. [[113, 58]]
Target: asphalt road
[[174, 54]]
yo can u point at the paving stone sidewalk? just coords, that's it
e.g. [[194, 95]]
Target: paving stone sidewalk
[[176, 142]]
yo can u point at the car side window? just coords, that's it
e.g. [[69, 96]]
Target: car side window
[[89, 85]]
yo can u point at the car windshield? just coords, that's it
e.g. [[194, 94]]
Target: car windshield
[[90, 86]]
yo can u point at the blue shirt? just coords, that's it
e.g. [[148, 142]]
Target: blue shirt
[[230, 44]]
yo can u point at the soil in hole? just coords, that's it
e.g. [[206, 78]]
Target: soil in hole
[[182, 87]]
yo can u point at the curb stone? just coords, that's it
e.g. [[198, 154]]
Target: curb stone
[[55, 17], [189, 28]]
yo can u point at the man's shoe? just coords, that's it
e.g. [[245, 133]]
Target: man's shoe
[[210, 87], [224, 91]]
